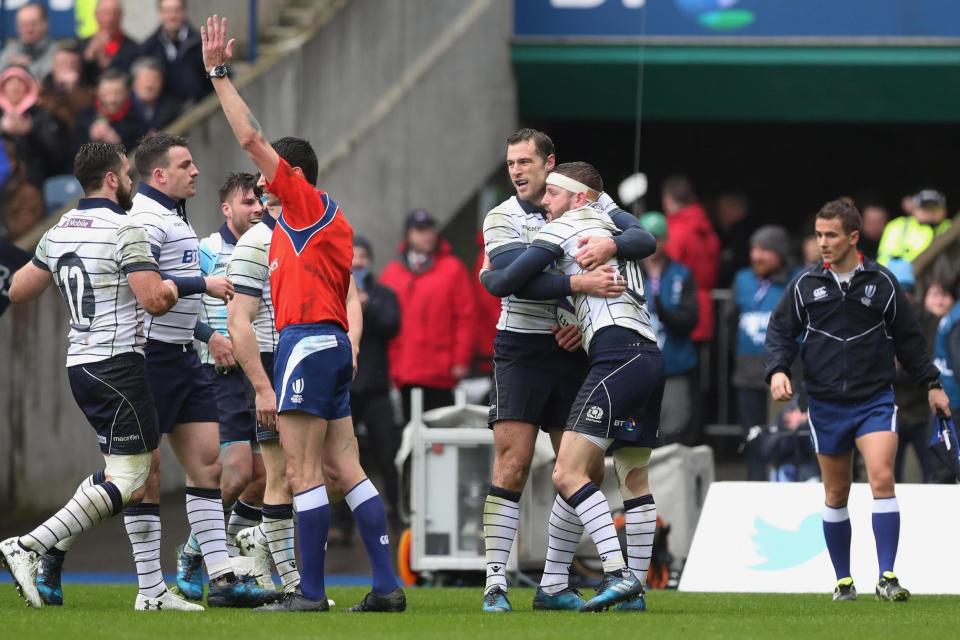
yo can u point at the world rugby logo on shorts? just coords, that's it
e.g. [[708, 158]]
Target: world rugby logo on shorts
[[594, 414], [297, 387]]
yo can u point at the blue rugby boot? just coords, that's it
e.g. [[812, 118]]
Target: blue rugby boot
[[243, 591], [495, 601], [189, 574], [48, 579], [567, 600], [639, 603], [615, 587]]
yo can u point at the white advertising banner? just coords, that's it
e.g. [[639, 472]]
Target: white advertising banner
[[768, 538]]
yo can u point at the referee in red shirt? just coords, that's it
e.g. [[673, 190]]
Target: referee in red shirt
[[320, 321]]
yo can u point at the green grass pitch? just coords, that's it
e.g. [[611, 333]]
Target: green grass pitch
[[104, 612]]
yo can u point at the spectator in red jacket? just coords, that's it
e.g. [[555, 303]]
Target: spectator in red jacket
[[692, 241], [435, 345]]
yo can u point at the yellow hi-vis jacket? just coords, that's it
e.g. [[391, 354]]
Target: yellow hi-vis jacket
[[906, 238]]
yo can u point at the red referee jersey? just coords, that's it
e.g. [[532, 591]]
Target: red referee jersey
[[310, 254]]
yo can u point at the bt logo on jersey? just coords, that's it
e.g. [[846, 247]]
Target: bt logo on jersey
[[190, 256]]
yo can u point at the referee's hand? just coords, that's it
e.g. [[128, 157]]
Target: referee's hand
[[780, 387]]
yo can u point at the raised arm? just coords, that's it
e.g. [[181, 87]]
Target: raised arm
[[218, 50]]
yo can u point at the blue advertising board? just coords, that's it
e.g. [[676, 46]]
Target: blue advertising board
[[765, 19]]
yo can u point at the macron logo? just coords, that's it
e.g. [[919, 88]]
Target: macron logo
[[274, 265], [384, 540]]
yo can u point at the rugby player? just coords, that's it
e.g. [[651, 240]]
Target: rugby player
[[618, 403], [536, 377], [850, 321], [184, 393], [320, 329], [242, 466], [100, 260]]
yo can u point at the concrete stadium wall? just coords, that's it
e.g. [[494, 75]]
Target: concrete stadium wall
[[428, 143]]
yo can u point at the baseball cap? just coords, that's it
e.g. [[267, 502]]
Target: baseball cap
[[419, 218], [930, 198], [655, 223]]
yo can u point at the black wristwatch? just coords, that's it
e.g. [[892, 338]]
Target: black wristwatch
[[219, 71], [936, 384]]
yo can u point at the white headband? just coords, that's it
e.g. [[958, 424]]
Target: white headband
[[571, 185]]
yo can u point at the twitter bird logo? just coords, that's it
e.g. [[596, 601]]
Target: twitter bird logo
[[785, 548]]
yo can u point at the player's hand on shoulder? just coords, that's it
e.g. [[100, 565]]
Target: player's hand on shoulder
[[604, 282], [221, 348], [219, 287], [567, 337], [595, 251], [780, 387]]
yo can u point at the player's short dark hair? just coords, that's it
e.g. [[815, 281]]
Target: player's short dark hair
[[843, 210], [680, 189], [154, 151], [241, 182], [541, 141], [94, 160], [298, 153], [581, 172]]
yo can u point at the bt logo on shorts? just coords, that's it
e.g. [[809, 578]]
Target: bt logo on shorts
[[297, 386], [594, 414], [190, 256]]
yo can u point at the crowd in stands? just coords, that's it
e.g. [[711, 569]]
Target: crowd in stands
[[56, 95]]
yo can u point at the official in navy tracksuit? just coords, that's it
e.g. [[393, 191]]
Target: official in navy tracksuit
[[756, 291], [673, 314], [849, 319]]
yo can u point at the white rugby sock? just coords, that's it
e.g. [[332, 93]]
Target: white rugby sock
[[242, 516], [88, 507], [278, 534], [205, 514], [563, 536], [594, 512], [142, 523], [501, 514], [641, 515], [98, 477]]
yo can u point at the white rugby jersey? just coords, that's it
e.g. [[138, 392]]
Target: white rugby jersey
[[215, 252], [89, 253], [512, 224], [249, 271], [561, 236], [176, 248]]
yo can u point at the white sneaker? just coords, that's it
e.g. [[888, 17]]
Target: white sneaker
[[22, 565], [166, 602], [253, 546], [248, 566]]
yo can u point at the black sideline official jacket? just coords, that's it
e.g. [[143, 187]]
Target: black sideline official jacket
[[847, 335]]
